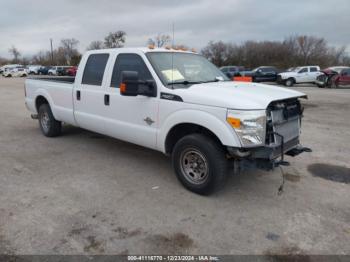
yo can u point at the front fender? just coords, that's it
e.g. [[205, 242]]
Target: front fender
[[221, 129]]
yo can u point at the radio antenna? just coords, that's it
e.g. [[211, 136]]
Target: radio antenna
[[172, 57]]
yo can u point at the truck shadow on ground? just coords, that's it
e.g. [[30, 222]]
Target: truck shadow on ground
[[152, 160]]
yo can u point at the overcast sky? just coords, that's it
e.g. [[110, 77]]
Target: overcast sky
[[30, 24]]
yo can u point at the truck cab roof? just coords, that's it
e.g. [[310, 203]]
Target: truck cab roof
[[138, 50]]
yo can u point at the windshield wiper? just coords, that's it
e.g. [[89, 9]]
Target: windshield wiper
[[184, 83]]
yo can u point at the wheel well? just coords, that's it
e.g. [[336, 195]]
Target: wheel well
[[179, 131], [291, 78], [40, 100]]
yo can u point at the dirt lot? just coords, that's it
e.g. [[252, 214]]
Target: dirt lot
[[83, 193]]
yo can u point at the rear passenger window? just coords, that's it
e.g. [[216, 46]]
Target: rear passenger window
[[346, 72], [129, 62], [94, 69], [313, 69]]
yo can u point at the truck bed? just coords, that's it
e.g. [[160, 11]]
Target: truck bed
[[60, 92]]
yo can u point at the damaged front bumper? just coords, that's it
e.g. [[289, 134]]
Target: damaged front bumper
[[269, 156]]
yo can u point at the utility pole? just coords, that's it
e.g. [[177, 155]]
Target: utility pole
[[51, 51]]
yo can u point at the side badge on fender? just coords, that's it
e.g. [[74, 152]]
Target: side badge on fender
[[149, 121]]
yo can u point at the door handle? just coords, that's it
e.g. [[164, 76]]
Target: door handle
[[78, 95], [106, 100]]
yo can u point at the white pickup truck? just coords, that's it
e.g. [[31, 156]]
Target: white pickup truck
[[175, 102], [299, 75]]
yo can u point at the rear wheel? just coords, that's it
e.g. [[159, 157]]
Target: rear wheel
[[200, 163], [49, 126], [289, 82]]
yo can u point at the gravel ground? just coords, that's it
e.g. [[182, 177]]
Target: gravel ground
[[83, 193]]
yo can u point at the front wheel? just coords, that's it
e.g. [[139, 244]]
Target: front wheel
[[289, 82], [49, 126], [200, 164]]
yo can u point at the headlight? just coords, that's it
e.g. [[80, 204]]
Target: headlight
[[249, 125]]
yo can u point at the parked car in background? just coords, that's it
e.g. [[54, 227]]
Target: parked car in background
[[16, 72], [44, 70], [72, 71], [334, 77], [33, 69], [303, 74], [232, 71], [6, 67], [58, 70], [262, 74]]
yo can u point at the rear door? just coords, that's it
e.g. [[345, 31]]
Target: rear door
[[89, 93], [132, 119], [314, 73]]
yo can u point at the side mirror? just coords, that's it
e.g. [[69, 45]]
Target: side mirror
[[131, 85]]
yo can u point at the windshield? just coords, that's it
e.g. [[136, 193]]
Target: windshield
[[183, 69]]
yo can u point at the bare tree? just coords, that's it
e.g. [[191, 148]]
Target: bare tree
[[292, 51], [15, 53], [95, 45], [115, 40], [160, 40], [69, 49]]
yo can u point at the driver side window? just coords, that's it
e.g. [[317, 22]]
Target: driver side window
[[129, 62], [304, 70]]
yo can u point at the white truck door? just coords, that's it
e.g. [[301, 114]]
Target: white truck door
[[132, 119], [89, 93], [303, 75]]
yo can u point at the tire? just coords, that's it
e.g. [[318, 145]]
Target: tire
[[211, 159], [49, 126], [333, 85], [289, 82], [50, 74]]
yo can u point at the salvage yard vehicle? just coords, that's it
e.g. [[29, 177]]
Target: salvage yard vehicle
[[262, 74], [154, 98], [16, 72], [300, 75], [334, 77], [58, 70], [7, 67], [44, 70], [232, 71], [33, 69]]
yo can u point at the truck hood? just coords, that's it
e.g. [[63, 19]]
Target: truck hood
[[235, 95], [287, 74]]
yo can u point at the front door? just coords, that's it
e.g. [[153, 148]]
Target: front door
[[132, 119], [303, 75]]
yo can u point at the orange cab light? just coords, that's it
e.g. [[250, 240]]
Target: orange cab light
[[151, 46], [194, 50], [234, 122], [122, 87], [243, 79]]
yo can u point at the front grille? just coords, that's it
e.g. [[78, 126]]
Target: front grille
[[283, 117]]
